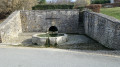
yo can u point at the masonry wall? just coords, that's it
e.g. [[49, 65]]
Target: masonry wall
[[67, 21], [10, 28], [104, 29], [117, 1]]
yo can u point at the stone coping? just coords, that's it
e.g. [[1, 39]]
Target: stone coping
[[54, 10], [110, 18]]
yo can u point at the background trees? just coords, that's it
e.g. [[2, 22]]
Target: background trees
[[82, 2], [78, 2], [8, 6], [42, 1], [11, 5]]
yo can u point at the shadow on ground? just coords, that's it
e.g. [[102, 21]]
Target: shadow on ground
[[80, 42]]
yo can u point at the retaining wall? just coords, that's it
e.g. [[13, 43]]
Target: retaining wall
[[67, 21], [10, 28], [103, 28]]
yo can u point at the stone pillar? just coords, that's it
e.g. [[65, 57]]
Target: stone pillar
[[0, 40]]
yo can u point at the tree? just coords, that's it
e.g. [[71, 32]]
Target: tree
[[42, 1], [82, 2], [8, 6], [12, 5], [59, 2]]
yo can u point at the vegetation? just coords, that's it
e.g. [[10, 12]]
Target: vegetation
[[94, 7], [8, 6], [50, 35], [100, 1], [42, 2], [60, 2], [45, 7], [79, 3], [12, 5], [114, 12], [82, 3]]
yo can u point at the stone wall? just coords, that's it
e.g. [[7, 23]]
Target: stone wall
[[104, 29], [67, 21], [10, 28], [116, 1]]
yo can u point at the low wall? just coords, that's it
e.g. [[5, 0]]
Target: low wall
[[67, 21], [110, 5], [104, 29], [10, 28]]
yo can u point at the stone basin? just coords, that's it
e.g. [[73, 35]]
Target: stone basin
[[39, 39]]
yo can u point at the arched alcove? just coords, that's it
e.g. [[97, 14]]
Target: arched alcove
[[53, 29]]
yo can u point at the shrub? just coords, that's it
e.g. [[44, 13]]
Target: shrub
[[94, 7], [111, 5], [3, 15], [100, 1], [82, 3], [45, 7], [42, 1], [80, 8]]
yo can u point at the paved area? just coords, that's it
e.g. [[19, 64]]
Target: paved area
[[81, 42], [75, 41], [49, 57], [25, 38]]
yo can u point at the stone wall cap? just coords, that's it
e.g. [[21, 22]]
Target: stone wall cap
[[54, 10], [110, 18]]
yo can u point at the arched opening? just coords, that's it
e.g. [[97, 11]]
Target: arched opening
[[53, 30]]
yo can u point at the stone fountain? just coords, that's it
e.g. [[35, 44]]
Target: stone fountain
[[51, 37]]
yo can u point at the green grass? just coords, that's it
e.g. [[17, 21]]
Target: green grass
[[114, 12], [52, 35]]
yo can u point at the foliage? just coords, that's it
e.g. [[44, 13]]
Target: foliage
[[100, 1], [60, 2], [8, 6], [42, 1], [114, 12], [12, 5], [69, 2], [82, 3], [94, 7], [45, 7], [80, 8]]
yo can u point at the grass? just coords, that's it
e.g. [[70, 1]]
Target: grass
[[52, 35], [114, 12]]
